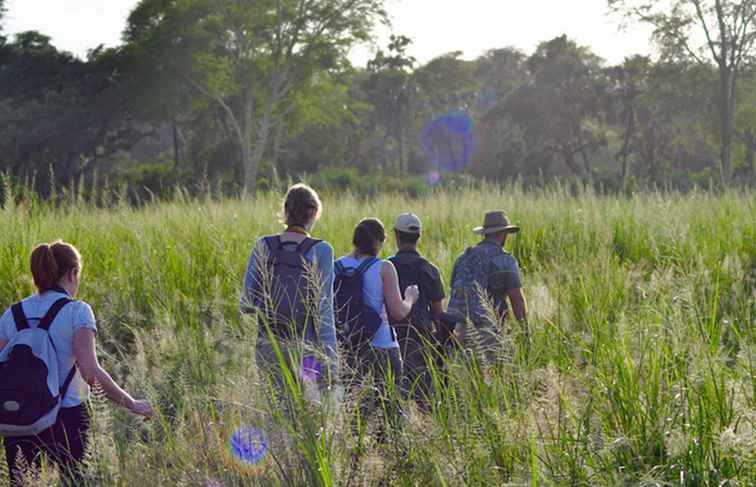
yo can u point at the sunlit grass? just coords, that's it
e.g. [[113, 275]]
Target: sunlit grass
[[642, 368]]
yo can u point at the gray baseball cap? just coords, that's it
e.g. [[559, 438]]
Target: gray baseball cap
[[408, 223]]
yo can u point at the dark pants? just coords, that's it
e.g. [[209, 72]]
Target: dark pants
[[416, 349], [63, 443], [381, 365]]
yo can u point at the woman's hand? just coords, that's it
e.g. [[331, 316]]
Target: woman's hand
[[142, 407], [412, 293]]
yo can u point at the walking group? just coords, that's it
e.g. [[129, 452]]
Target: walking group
[[381, 320]]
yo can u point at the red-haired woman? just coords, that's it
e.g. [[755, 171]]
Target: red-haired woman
[[56, 270]]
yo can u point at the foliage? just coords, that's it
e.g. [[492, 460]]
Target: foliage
[[718, 32], [640, 371], [242, 94]]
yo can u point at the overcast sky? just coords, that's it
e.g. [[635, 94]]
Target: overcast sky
[[436, 26]]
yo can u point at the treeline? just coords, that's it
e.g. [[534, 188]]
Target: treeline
[[237, 94]]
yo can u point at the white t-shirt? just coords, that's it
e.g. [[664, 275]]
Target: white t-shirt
[[74, 316]]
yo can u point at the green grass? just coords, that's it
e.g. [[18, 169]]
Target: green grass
[[642, 369]]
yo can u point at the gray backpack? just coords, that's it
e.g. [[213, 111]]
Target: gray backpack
[[287, 300], [470, 274], [30, 388]]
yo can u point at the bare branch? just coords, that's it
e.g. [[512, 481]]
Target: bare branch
[[709, 41]]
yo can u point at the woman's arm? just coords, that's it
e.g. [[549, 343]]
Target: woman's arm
[[86, 358], [245, 302], [398, 308], [327, 330], [3, 343]]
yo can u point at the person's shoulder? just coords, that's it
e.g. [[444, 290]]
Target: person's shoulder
[[506, 260], [82, 315], [80, 307], [429, 266], [7, 316], [260, 243], [323, 249], [323, 244]]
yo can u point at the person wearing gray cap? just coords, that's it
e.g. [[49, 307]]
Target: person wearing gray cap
[[416, 331], [483, 278]]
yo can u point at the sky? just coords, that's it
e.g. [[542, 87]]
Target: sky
[[436, 26]]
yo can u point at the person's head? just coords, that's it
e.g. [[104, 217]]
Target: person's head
[[407, 229], [302, 206], [56, 264], [369, 236], [496, 227]]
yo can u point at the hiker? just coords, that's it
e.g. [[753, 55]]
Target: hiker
[[416, 334], [47, 363], [367, 296], [487, 268], [289, 284]]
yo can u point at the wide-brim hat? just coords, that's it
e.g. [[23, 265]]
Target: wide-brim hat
[[495, 222]]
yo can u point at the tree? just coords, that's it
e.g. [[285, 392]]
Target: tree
[[58, 111], [560, 110], [247, 56], [389, 85], [628, 83], [728, 30], [745, 125], [499, 145]]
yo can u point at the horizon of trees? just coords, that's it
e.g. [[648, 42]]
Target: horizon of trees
[[238, 93]]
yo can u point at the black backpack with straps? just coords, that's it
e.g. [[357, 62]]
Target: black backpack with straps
[[30, 389], [356, 321], [282, 289]]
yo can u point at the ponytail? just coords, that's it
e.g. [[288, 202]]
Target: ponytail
[[50, 262]]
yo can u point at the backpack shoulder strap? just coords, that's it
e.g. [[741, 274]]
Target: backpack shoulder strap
[[273, 242], [363, 268], [339, 268], [49, 317], [19, 317], [307, 244], [67, 382]]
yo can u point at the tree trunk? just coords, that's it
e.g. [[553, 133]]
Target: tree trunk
[[261, 142], [749, 139], [630, 128], [400, 137], [569, 160], [248, 161], [176, 148], [726, 77]]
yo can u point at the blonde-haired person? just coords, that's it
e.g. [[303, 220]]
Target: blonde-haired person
[[56, 270], [278, 281]]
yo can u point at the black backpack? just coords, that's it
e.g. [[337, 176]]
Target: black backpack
[[284, 294], [30, 389], [357, 322], [409, 269]]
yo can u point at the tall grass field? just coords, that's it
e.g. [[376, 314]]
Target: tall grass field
[[641, 368]]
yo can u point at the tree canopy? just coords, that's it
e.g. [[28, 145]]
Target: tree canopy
[[237, 94]]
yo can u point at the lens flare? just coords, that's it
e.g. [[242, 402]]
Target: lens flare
[[448, 141], [246, 450], [433, 177], [311, 369]]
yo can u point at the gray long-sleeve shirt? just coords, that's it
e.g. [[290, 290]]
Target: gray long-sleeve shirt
[[321, 255]]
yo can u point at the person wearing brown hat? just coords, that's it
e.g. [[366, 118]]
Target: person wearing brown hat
[[416, 331], [483, 279]]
